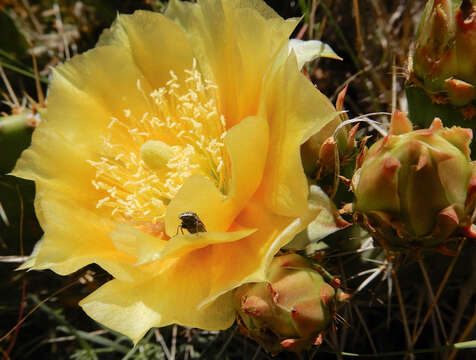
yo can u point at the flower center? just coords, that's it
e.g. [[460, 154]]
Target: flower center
[[145, 160]]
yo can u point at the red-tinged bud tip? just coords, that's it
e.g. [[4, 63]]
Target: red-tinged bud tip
[[448, 215], [400, 124], [472, 187], [327, 153], [289, 343], [343, 296], [254, 306], [335, 283], [424, 160], [318, 340], [274, 293], [470, 231], [351, 138], [436, 124], [446, 221], [459, 92], [445, 251], [340, 99], [390, 166], [466, 16], [341, 223], [468, 112]]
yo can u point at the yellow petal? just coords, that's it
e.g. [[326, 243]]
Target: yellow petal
[[80, 106], [193, 289], [49, 152], [134, 307], [247, 146], [201, 195], [295, 110], [122, 306], [157, 44], [105, 76], [225, 33], [246, 260], [184, 243], [145, 248], [309, 50], [75, 237]]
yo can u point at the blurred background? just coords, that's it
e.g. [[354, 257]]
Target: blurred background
[[39, 315]]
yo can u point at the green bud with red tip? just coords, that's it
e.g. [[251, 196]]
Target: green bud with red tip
[[416, 187], [444, 61], [442, 71], [290, 310]]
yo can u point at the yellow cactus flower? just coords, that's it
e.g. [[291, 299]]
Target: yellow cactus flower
[[202, 110]]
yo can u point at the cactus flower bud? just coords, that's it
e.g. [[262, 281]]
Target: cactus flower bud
[[442, 72], [289, 311], [445, 51], [416, 188]]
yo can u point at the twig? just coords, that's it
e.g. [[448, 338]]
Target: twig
[[3, 215], [394, 86], [258, 350], [9, 87], [19, 323], [5, 355], [466, 332], [418, 312], [20, 314], [312, 18], [160, 339], [358, 32], [467, 345], [438, 293], [366, 329], [32, 16], [173, 346], [402, 310], [39, 90], [466, 293], [20, 226], [225, 345], [432, 297]]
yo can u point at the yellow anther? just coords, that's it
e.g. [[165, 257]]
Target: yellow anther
[[156, 154], [139, 176]]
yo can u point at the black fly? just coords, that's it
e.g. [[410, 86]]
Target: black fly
[[191, 222]]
